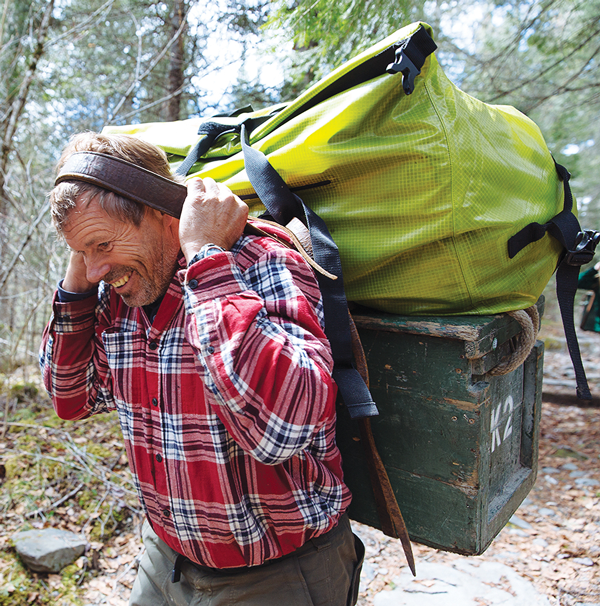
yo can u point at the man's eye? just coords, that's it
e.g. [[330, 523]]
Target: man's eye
[[104, 246]]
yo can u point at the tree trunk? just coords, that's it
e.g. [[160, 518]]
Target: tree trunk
[[176, 61], [11, 121]]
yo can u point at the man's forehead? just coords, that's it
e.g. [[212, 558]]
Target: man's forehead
[[89, 222]]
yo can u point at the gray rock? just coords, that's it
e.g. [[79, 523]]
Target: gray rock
[[368, 572], [586, 482], [518, 532], [584, 561], [462, 583], [49, 549], [519, 523]]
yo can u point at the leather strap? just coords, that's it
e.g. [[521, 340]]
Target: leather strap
[[125, 179], [388, 510]]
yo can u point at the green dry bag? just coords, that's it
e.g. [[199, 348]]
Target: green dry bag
[[439, 203]]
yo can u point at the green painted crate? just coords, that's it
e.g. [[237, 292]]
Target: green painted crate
[[459, 445]]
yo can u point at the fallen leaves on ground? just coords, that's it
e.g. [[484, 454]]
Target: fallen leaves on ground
[[553, 539]]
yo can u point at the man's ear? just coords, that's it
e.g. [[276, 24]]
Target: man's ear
[[170, 225], [167, 220], [159, 216]]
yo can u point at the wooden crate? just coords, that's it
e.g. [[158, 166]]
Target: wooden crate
[[459, 445]]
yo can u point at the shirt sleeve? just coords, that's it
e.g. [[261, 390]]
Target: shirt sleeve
[[65, 296], [72, 359], [261, 349]]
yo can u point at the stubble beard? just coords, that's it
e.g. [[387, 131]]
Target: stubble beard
[[150, 290], [153, 286]]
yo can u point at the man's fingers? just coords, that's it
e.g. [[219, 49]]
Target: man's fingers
[[210, 214]]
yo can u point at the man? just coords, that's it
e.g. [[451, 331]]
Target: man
[[208, 340]]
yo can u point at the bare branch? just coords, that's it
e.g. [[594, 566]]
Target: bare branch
[[4, 11], [107, 6], [564, 88], [592, 36], [21, 99], [152, 65], [18, 104], [24, 243], [56, 503]]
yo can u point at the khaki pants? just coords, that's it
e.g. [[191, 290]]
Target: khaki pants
[[323, 572]]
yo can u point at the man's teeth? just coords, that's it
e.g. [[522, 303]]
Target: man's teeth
[[120, 281]]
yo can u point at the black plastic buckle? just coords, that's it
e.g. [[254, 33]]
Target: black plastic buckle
[[585, 247], [408, 69]]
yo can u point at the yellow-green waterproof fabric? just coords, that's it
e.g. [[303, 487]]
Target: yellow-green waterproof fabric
[[421, 193]]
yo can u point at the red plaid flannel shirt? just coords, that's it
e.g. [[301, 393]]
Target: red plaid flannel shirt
[[226, 401]]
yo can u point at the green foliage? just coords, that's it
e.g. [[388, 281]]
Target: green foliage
[[24, 391], [113, 61], [99, 61], [324, 34], [118, 63], [21, 589], [539, 55]]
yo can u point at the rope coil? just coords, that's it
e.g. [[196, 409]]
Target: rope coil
[[529, 319]]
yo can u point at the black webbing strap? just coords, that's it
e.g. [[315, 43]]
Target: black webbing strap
[[579, 247], [283, 205], [212, 130], [406, 57], [410, 57]]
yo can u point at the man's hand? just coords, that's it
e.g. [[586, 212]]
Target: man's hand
[[211, 214], [76, 276]]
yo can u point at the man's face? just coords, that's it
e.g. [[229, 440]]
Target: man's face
[[138, 262]]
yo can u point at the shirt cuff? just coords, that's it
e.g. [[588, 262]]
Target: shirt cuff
[[64, 296]]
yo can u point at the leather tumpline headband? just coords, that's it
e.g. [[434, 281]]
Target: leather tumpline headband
[[125, 179], [141, 185]]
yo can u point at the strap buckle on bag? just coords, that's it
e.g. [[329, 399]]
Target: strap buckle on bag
[[408, 69], [410, 57], [585, 246]]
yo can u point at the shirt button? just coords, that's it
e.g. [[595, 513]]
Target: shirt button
[[166, 513], [154, 402], [152, 345], [193, 283], [159, 458], [210, 349]]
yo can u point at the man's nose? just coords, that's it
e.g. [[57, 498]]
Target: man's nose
[[96, 268]]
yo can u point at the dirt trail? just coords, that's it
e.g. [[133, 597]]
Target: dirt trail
[[553, 540]]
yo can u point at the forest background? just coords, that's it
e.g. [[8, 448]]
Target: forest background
[[74, 65]]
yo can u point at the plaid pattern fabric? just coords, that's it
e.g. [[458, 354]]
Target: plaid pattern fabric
[[226, 401]]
